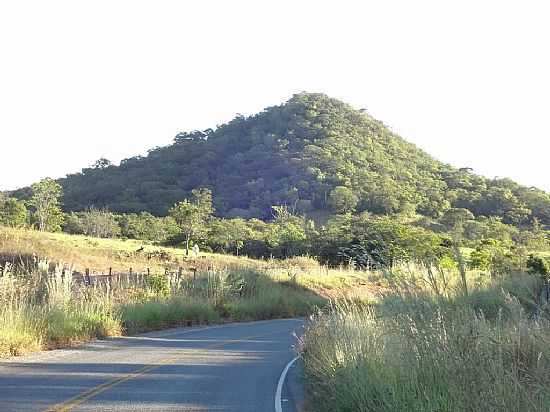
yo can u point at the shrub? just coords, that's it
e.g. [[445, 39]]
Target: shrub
[[13, 213], [539, 266]]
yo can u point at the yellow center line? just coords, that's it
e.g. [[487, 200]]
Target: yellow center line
[[90, 393]]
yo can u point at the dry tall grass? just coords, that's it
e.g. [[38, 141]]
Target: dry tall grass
[[42, 307], [419, 351]]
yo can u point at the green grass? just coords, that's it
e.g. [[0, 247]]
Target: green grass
[[177, 311], [18, 334], [414, 351], [238, 295], [32, 328], [38, 311]]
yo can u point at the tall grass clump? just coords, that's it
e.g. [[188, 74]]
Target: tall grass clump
[[428, 355], [158, 314], [213, 295], [255, 295], [43, 309]]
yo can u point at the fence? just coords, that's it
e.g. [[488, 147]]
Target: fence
[[92, 277]]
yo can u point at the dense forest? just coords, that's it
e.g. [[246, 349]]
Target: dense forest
[[314, 154]]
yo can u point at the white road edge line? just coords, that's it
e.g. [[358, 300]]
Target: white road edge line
[[279, 393]]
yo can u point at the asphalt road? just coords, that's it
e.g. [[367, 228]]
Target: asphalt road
[[235, 367]]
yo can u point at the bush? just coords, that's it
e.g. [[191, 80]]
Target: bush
[[93, 222], [539, 266], [13, 213], [158, 285]]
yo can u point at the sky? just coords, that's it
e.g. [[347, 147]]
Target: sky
[[467, 81]]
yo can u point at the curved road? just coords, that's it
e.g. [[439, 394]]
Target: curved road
[[235, 367]]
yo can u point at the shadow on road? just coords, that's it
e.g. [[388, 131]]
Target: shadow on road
[[231, 368]]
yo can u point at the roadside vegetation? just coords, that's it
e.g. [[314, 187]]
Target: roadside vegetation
[[45, 303], [41, 306], [424, 349]]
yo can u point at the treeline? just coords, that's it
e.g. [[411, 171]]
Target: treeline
[[362, 240]]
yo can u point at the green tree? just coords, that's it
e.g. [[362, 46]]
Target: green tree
[[384, 242], [535, 238], [342, 200], [539, 266], [495, 256], [93, 222], [192, 215], [312, 153], [145, 226], [228, 234], [46, 206], [12, 213], [454, 219], [287, 236]]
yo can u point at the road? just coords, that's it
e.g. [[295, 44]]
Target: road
[[234, 367]]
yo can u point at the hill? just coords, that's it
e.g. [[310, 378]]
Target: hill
[[312, 153]]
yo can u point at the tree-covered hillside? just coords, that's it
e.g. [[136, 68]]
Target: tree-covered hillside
[[313, 153]]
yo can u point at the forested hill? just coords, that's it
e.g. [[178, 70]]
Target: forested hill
[[313, 153]]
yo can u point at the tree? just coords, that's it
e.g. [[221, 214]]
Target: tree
[[535, 238], [45, 201], [539, 266], [368, 241], [202, 197], [92, 222], [192, 216], [102, 163], [12, 212], [342, 200], [227, 234], [288, 233], [312, 153], [145, 226], [454, 219], [493, 255]]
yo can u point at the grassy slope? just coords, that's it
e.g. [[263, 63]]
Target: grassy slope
[[98, 255], [85, 252], [41, 311]]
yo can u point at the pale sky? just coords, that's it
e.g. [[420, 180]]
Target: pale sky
[[468, 81]]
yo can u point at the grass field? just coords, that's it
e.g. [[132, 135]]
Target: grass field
[[41, 307], [84, 252]]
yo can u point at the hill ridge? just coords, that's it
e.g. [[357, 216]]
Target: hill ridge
[[313, 152]]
